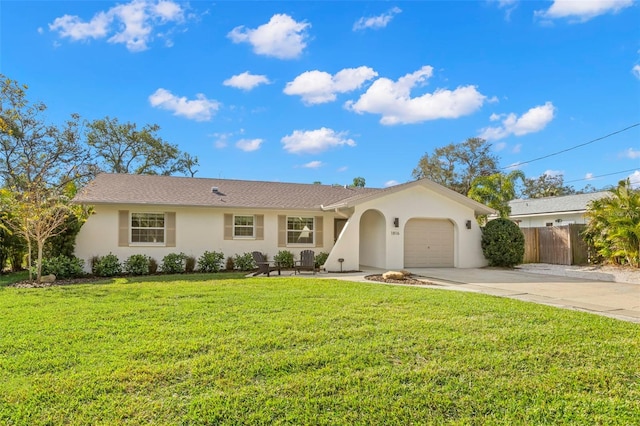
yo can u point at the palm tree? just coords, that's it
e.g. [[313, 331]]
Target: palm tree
[[614, 225], [496, 191]]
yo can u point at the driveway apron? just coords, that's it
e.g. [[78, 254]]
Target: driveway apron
[[618, 300]]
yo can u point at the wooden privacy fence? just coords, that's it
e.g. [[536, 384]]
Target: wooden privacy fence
[[559, 245]]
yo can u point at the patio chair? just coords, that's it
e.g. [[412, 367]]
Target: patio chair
[[264, 266], [307, 262]]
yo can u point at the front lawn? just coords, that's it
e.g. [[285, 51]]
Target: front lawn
[[306, 351]]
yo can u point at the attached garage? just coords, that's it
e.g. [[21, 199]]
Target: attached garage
[[428, 243]]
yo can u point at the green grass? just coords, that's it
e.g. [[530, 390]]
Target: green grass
[[8, 279], [306, 351]]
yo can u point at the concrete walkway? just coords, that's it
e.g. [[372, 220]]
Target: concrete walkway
[[612, 299]]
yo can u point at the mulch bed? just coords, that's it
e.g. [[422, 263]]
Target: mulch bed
[[410, 280], [35, 284]]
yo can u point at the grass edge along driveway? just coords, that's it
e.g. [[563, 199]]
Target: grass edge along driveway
[[306, 351]]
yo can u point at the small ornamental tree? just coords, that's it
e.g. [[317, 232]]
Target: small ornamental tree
[[503, 243]]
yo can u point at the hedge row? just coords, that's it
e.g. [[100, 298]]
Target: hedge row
[[174, 263]]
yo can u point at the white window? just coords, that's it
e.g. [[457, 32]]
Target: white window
[[243, 226], [300, 230], [147, 228]]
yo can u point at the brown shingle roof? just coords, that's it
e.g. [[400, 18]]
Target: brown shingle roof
[[183, 191]]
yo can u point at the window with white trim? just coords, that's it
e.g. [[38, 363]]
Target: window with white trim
[[147, 228], [300, 230], [244, 226]]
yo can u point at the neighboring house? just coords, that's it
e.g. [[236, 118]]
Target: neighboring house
[[416, 224], [552, 211]]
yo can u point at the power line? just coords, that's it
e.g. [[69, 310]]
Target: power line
[[573, 147], [599, 176]]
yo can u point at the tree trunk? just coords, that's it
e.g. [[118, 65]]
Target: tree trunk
[[29, 260], [40, 244]]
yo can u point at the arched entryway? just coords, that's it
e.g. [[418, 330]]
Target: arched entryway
[[372, 239], [429, 243]]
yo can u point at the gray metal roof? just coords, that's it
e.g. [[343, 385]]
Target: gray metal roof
[[566, 203], [183, 191]]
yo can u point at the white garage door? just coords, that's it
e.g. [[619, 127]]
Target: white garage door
[[428, 243]]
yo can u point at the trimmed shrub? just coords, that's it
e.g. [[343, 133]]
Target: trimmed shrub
[[174, 263], [211, 261], [106, 266], [137, 264], [230, 266], [502, 243], [63, 266], [321, 259], [284, 258], [189, 264], [153, 266], [244, 262]]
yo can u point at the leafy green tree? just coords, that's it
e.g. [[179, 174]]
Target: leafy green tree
[[123, 148], [546, 185], [34, 152], [614, 225], [359, 182], [457, 165], [496, 191]]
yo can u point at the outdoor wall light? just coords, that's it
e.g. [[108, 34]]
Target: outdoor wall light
[[468, 224], [396, 222]]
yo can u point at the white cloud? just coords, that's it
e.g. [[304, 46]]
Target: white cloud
[[313, 164], [517, 148], [248, 145], [631, 153], [282, 37], [553, 173], [221, 141], [343, 169], [588, 176], [316, 87], [531, 121], [315, 141], [582, 10], [507, 5], [131, 24], [392, 100], [636, 71], [246, 81], [199, 109], [391, 183], [376, 22], [499, 146], [634, 178]]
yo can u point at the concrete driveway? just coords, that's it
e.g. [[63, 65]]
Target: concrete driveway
[[612, 299]]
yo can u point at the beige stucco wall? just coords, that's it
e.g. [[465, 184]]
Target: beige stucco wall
[[413, 202], [368, 239], [197, 230]]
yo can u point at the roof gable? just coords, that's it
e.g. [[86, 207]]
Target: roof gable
[[478, 208]]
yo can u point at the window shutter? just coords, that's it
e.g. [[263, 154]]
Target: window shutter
[[259, 227], [318, 232], [123, 228], [228, 226], [282, 231], [170, 229]]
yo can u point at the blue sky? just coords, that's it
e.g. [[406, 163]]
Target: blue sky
[[326, 91]]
